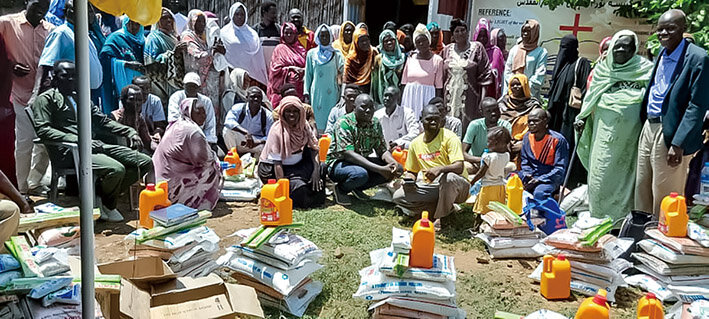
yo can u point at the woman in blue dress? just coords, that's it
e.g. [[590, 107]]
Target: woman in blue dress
[[323, 75]]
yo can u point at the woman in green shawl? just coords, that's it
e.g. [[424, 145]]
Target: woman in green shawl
[[610, 126], [387, 66]]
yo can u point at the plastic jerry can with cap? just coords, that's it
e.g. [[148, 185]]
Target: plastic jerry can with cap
[[649, 307], [153, 197], [673, 216], [514, 190], [556, 278], [400, 155], [275, 205], [423, 239], [594, 307], [232, 157], [324, 146]]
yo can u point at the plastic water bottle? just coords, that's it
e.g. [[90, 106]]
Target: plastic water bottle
[[485, 151], [704, 190]]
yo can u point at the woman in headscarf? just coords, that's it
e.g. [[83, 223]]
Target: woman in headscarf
[[570, 71], [388, 65], [185, 160], [323, 75], [360, 61], [422, 75], [291, 152], [602, 53], [608, 145], [494, 55], [436, 37], [344, 40], [160, 58], [518, 103], [122, 60], [499, 38], [243, 45], [239, 81], [198, 56], [528, 58], [287, 64], [467, 73]]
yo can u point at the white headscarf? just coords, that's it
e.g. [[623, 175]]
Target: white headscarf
[[243, 46], [422, 30]]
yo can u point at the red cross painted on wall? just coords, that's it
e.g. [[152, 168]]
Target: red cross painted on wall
[[576, 28]]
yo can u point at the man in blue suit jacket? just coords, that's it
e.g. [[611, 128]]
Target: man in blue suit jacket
[[673, 110]]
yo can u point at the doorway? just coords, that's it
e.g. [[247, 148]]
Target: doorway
[[378, 12]]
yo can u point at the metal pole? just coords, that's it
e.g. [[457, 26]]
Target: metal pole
[[81, 42]]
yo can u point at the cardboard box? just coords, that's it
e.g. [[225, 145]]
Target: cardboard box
[[143, 272], [189, 298]]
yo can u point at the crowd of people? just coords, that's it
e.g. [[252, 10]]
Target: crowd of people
[[169, 102]]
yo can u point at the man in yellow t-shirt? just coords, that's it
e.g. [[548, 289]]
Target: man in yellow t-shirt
[[436, 154]]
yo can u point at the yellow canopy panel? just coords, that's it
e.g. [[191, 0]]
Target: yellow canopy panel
[[145, 12]]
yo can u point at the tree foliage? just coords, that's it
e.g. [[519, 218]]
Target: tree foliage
[[651, 10]]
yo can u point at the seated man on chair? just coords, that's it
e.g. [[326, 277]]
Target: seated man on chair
[[545, 156], [116, 167], [438, 156], [357, 137]]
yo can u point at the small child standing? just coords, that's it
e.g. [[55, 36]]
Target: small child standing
[[492, 169]]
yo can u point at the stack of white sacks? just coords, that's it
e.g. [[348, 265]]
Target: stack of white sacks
[[593, 267], [242, 187], [189, 252], [505, 239], [417, 293], [674, 268], [279, 270]]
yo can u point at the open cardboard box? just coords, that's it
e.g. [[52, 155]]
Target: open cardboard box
[[188, 298], [142, 272]]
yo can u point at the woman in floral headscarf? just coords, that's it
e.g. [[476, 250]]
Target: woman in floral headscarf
[[185, 160], [388, 65], [323, 74], [291, 152], [287, 64], [198, 56], [494, 55]]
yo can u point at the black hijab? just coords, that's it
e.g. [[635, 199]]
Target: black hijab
[[564, 70]]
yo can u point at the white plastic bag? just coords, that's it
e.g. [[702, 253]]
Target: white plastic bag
[[374, 285], [283, 281], [651, 285], [287, 247], [443, 266], [297, 302]]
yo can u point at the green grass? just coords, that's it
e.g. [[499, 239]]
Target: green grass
[[366, 226]]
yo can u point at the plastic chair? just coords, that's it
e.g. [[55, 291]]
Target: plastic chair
[[55, 150]]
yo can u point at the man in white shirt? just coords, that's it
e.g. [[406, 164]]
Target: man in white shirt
[[192, 83], [399, 124], [151, 110], [247, 124]]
